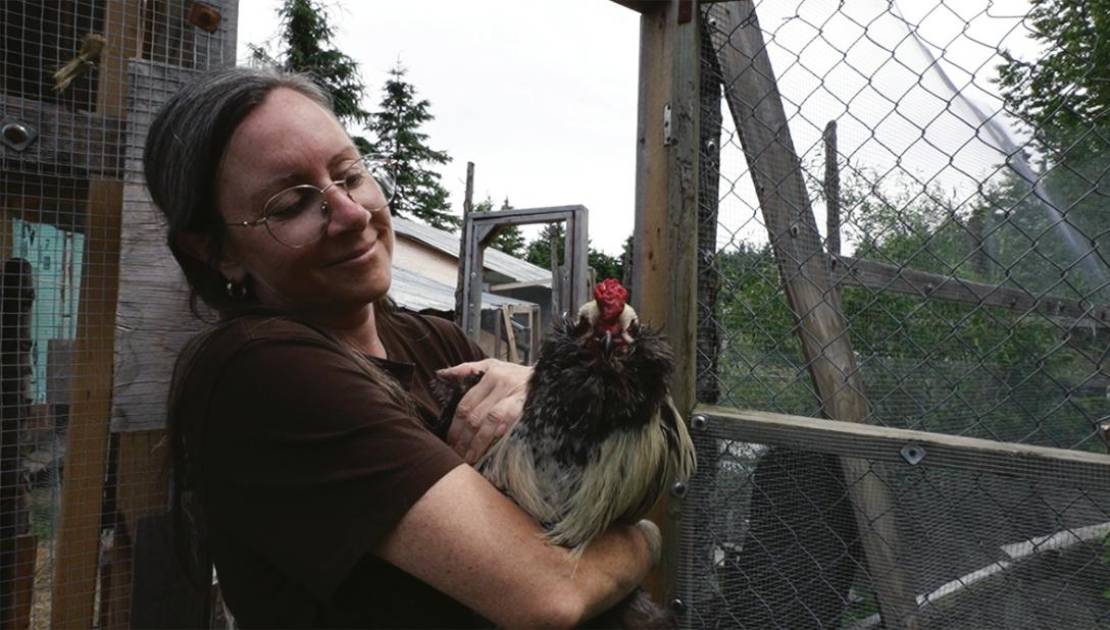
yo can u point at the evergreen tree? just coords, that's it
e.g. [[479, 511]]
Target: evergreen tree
[[539, 253], [306, 45], [509, 239], [397, 127]]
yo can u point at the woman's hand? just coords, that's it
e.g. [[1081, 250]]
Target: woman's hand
[[490, 408]]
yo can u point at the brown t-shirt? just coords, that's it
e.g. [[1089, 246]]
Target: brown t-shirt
[[308, 463]]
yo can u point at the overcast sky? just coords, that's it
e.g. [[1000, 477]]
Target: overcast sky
[[541, 94]]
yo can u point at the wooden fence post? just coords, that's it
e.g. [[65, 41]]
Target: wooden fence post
[[77, 550], [664, 283], [761, 123]]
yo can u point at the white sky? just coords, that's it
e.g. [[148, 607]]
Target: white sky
[[541, 94]]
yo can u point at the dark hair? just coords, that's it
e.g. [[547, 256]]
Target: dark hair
[[184, 149]]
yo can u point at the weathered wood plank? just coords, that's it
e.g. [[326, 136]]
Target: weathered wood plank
[[832, 190], [68, 143], [884, 277], [664, 281], [153, 320], [884, 444], [756, 107], [87, 438], [709, 176]]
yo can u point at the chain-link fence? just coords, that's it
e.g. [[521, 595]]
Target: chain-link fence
[[91, 307], [903, 223]]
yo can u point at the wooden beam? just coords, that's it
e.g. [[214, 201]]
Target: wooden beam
[[832, 190], [664, 260], [884, 444], [87, 439], [757, 110], [68, 143], [884, 277]]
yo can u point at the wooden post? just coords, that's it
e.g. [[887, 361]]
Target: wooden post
[[461, 307], [664, 281], [761, 123], [709, 174], [832, 191], [87, 440], [17, 294]]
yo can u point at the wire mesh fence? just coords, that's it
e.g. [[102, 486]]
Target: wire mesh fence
[[900, 226], [84, 356], [775, 542]]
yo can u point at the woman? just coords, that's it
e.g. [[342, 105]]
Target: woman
[[302, 462]]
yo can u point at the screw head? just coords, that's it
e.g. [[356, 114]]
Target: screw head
[[678, 489], [699, 422], [678, 605]]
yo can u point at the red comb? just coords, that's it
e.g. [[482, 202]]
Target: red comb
[[611, 298]]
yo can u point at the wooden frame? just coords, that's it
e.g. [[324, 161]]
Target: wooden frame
[[885, 444], [480, 228]]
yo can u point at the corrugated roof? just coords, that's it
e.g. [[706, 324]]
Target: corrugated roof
[[416, 292], [513, 269]]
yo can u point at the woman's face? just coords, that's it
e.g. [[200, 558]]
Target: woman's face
[[286, 141]]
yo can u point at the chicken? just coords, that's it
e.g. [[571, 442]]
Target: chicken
[[599, 439]]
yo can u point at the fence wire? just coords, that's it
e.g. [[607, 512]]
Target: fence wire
[[963, 241], [82, 367]]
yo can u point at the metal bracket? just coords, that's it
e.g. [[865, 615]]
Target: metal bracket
[[668, 137]]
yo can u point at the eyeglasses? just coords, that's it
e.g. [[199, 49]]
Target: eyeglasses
[[299, 215]]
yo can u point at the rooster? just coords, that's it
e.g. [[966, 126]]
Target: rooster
[[599, 439]]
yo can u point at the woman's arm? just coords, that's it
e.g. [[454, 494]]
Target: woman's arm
[[468, 540]]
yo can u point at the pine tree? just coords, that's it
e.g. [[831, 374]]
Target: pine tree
[[509, 238], [306, 45], [397, 127], [539, 253]]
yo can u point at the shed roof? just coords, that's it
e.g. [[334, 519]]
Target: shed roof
[[416, 292], [506, 268]]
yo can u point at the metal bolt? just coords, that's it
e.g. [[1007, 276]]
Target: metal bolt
[[17, 136], [699, 422], [913, 453], [678, 489], [678, 605], [794, 230]]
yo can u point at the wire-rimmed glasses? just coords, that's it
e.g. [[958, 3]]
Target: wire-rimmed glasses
[[299, 215]]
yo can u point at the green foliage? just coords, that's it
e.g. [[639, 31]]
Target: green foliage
[[538, 253], [509, 238], [955, 366], [1063, 97], [605, 265], [1065, 92], [397, 124], [306, 45]]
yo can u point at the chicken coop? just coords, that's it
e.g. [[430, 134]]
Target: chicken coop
[[876, 235], [880, 252]]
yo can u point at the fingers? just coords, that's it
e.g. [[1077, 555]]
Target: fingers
[[463, 370], [489, 408], [469, 416]]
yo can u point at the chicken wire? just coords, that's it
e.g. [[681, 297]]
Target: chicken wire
[[968, 264], [773, 540], [81, 82]]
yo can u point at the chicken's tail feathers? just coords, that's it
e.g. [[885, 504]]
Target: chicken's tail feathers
[[684, 457]]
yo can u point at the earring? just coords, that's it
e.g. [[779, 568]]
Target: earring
[[236, 291]]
